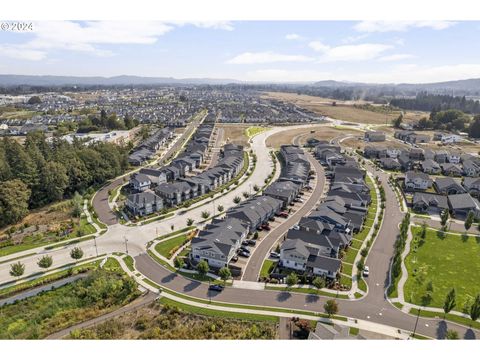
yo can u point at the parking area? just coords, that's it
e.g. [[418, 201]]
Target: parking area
[[248, 248]]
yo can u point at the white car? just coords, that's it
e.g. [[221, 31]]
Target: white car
[[366, 271], [296, 227]]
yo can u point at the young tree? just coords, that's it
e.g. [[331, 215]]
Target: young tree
[[475, 309], [450, 302], [45, 262], [444, 217], [203, 267], [451, 335], [469, 220], [237, 199], [319, 283], [292, 279], [331, 307], [398, 121], [205, 214], [423, 231], [17, 269], [256, 188], [220, 208], [225, 274], [179, 262], [76, 253], [189, 222]]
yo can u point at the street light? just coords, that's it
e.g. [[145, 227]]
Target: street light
[[126, 244], [95, 242]]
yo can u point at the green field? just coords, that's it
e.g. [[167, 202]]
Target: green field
[[267, 268], [254, 130], [449, 261], [167, 247]]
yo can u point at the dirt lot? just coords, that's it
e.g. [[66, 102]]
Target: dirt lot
[[344, 110], [235, 133], [356, 143], [322, 132]]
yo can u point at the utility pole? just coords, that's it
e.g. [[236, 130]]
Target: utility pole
[[95, 242], [126, 244], [416, 322]]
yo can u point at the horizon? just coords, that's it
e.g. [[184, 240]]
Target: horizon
[[374, 52]]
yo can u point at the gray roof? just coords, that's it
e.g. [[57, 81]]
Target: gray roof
[[462, 201], [430, 199]]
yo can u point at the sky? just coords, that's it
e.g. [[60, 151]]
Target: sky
[[266, 51]]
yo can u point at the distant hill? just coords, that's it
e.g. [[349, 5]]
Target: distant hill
[[48, 80], [456, 85]]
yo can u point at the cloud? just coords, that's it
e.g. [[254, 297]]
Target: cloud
[[387, 26], [266, 57], [16, 52], [90, 36], [352, 39], [359, 52], [396, 57], [293, 37]]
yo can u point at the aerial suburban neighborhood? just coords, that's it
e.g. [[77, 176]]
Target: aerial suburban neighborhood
[[262, 205]]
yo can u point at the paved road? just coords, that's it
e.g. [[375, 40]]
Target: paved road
[[100, 200], [254, 266]]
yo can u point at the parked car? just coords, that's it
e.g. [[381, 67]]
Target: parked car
[[252, 242], [366, 271], [215, 287], [244, 248], [244, 254], [275, 255], [300, 201], [245, 242], [235, 259], [260, 228], [283, 214], [296, 227], [266, 227]]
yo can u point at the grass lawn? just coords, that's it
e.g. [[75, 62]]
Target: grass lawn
[[350, 255], [451, 262], [254, 130], [450, 317], [353, 331], [167, 247], [356, 244], [267, 268], [346, 280], [362, 285], [112, 265], [306, 290], [362, 235], [347, 268], [129, 262], [216, 313]]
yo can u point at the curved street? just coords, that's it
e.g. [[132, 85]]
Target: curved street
[[373, 307]]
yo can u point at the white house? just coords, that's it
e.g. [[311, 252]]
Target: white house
[[417, 181]]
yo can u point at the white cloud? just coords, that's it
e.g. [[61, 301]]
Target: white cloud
[[396, 57], [88, 37], [387, 26], [353, 39], [266, 57], [16, 52], [293, 37], [359, 52]]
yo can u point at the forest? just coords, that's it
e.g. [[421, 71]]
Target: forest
[[430, 102], [43, 171]]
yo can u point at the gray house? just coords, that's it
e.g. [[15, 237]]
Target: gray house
[[144, 203], [429, 203], [462, 204], [448, 186]]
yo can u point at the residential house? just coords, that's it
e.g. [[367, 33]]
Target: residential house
[[144, 203], [390, 164], [286, 191], [429, 203], [472, 185], [431, 167], [140, 182], [462, 204], [449, 169], [417, 181], [448, 186], [374, 136]]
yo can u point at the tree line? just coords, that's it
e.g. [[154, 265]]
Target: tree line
[[106, 122], [40, 172], [431, 102]]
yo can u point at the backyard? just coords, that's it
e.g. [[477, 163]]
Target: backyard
[[439, 263]]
